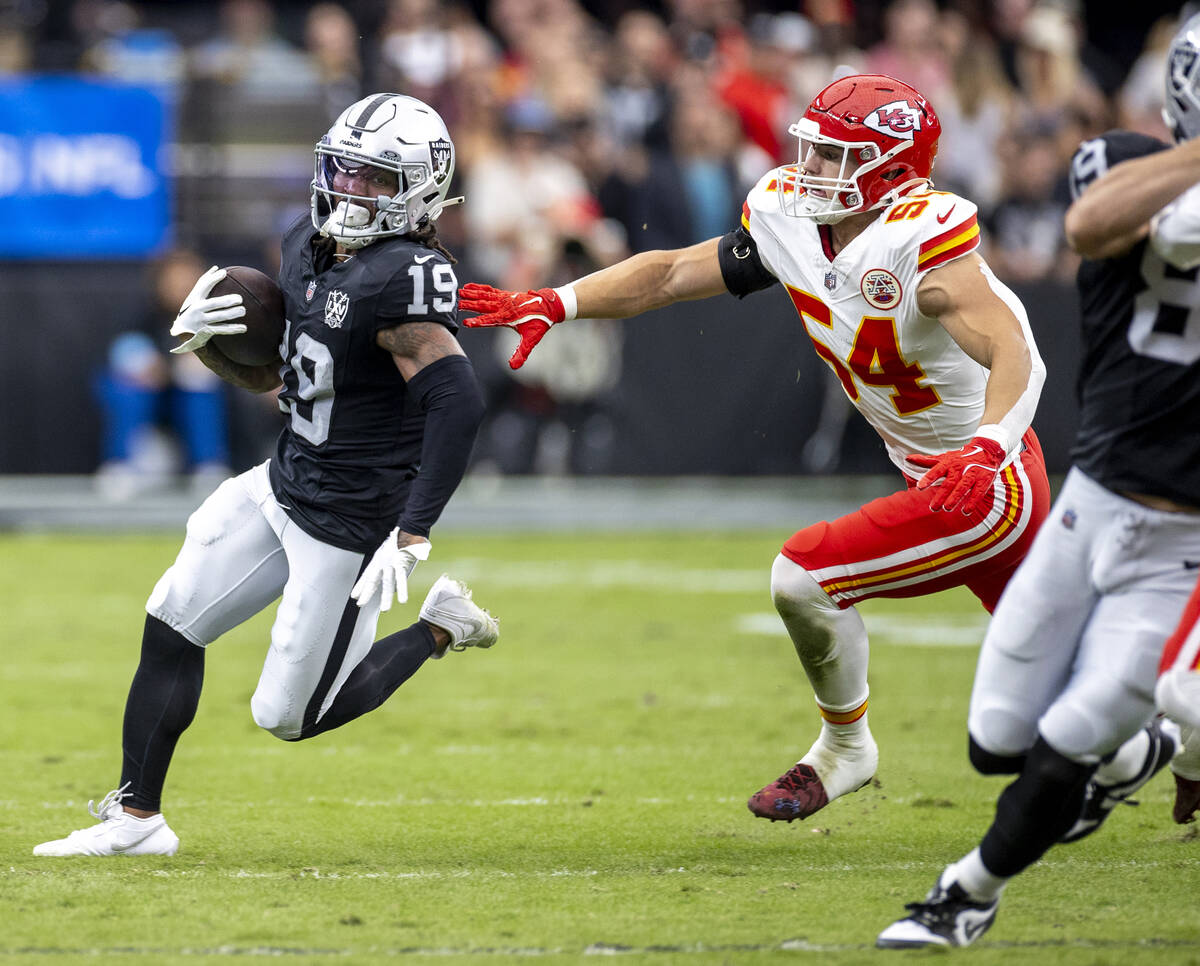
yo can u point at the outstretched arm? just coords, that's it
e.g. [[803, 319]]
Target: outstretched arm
[[648, 280]]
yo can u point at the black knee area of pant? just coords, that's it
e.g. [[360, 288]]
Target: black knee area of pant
[[988, 763], [160, 642], [1035, 811]]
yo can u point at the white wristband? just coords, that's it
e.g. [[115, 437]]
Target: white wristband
[[996, 433], [569, 300]]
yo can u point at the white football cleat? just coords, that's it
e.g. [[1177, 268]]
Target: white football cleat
[[118, 833], [448, 605], [946, 917]]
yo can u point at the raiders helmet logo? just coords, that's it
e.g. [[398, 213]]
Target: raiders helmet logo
[[880, 288], [899, 119], [1183, 59], [441, 152], [335, 308]]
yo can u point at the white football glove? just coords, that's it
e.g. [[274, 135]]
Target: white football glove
[[388, 571], [202, 317]]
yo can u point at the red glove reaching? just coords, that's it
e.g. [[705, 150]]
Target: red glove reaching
[[530, 313], [962, 478]]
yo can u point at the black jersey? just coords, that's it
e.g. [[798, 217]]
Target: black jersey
[[1139, 379], [351, 447]]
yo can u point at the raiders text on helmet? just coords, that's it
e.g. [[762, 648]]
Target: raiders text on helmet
[[887, 136], [396, 133]]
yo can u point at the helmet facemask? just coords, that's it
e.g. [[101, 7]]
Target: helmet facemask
[[842, 194], [348, 218]]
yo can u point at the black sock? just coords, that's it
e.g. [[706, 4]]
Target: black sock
[[161, 704], [391, 661], [1035, 811]]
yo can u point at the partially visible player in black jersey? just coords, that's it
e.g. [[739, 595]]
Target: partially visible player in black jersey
[[383, 407], [1064, 694]]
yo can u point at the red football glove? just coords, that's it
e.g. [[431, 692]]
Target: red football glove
[[1187, 800], [530, 313], [962, 478]]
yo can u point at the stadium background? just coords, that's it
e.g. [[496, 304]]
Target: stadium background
[[646, 123]]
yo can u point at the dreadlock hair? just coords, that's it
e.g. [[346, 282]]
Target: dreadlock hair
[[427, 235]]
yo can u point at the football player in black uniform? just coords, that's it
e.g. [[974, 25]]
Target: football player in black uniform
[[383, 407], [1064, 691]]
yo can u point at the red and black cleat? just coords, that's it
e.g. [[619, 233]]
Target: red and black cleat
[[798, 793]]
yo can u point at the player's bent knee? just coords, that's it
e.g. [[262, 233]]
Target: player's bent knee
[[989, 763], [998, 734], [275, 716], [794, 590]]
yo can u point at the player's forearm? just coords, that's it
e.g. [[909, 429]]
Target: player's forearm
[[1014, 387], [449, 395], [650, 280], [253, 378], [1115, 211]]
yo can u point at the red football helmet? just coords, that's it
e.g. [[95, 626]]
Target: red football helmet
[[887, 134]]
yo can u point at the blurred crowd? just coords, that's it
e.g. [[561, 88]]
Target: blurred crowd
[[586, 131]]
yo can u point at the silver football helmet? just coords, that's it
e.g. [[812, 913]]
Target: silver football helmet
[[1182, 110], [396, 133]]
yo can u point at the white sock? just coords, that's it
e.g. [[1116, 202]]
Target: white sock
[[1127, 762], [970, 873]]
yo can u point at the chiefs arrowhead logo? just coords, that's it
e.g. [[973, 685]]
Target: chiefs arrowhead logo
[[899, 119]]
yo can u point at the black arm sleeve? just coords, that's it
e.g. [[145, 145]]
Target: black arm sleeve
[[741, 267], [448, 394]]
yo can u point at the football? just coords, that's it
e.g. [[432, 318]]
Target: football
[[264, 318]]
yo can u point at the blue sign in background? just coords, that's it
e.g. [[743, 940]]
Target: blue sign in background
[[81, 169]]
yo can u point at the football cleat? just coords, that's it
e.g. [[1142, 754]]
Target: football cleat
[[1100, 799], [845, 764], [797, 793], [946, 917], [118, 833], [448, 605]]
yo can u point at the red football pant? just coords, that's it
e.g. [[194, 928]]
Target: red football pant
[[897, 547]]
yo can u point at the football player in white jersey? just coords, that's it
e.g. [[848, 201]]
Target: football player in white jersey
[[933, 350], [1064, 695]]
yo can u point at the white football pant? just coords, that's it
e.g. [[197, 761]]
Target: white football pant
[[240, 554], [1072, 650]]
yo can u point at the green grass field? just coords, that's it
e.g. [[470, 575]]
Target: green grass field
[[579, 790]]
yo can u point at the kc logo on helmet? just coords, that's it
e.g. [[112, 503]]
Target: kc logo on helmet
[[899, 119], [335, 308]]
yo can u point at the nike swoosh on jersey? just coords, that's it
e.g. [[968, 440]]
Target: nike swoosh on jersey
[[422, 259], [942, 219]]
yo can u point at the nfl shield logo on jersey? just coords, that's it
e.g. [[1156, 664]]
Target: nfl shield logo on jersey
[[335, 309], [308, 292], [831, 280]]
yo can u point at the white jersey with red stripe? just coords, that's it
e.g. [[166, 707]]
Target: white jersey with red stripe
[[919, 390]]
